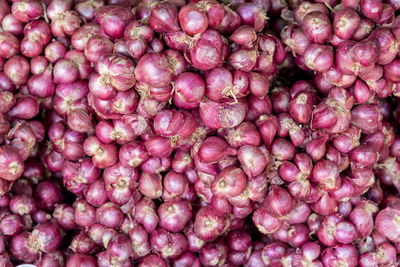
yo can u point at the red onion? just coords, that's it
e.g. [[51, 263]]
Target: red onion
[[22, 204], [345, 254], [193, 20], [214, 252], [109, 214], [164, 18], [169, 245], [64, 215], [209, 224], [222, 115], [206, 51], [120, 181], [244, 36], [47, 195], [11, 164], [145, 213], [371, 9], [82, 243], [346, 23], [317, 27], [11, 24], [11, 225], [189, 90], [55, 259], [150, 185], [85, 214], [151, 260], [174, 215], [119, 248], [363, 115], [154, 70], [113, 20], [214, 149], [278, 202], [21, 250], [46, 237], [229, 182], [319, 57], [265, 222], [81, 260], [253, 16], [386, 223]]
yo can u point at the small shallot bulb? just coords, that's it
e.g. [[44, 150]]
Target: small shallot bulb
[[346, 23], [230, 182], [11, 164], [387, 223], [81, 260], [326, 173], [208, 224], [20, 249], [371, 9], [151, 261], [169, 245], [244, 36], [46, 236], [265, 222], [174, 215], [110, 215], [150, 185], [145, 213], [189, 90], [319, 57], [84, 213], [317, 27], [214, 149], [252, 159], [278, 201]]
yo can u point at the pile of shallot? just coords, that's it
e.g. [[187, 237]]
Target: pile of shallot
[[192, 133]]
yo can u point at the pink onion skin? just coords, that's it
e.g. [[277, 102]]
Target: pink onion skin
[[170, 245], [96, 46], [214, 149], [133, 154], [164, 18], [371, 9], [230, 182], [222, 115], [214, 252], [47, 195], [174, 215], [317, 27], [113, 20], [244, 36], [11, 24], [386, 223], [346, 23], [64, 215], [363, 114], [20, 250], [210, 42], [109, 214], [153, 69], [189, 90], [192, 20], [11, 163], [203, 217], [152, 259], [81, 260], [252, 15], [17, 70]]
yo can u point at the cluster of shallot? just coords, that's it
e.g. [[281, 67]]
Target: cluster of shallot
[[194, 133]]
